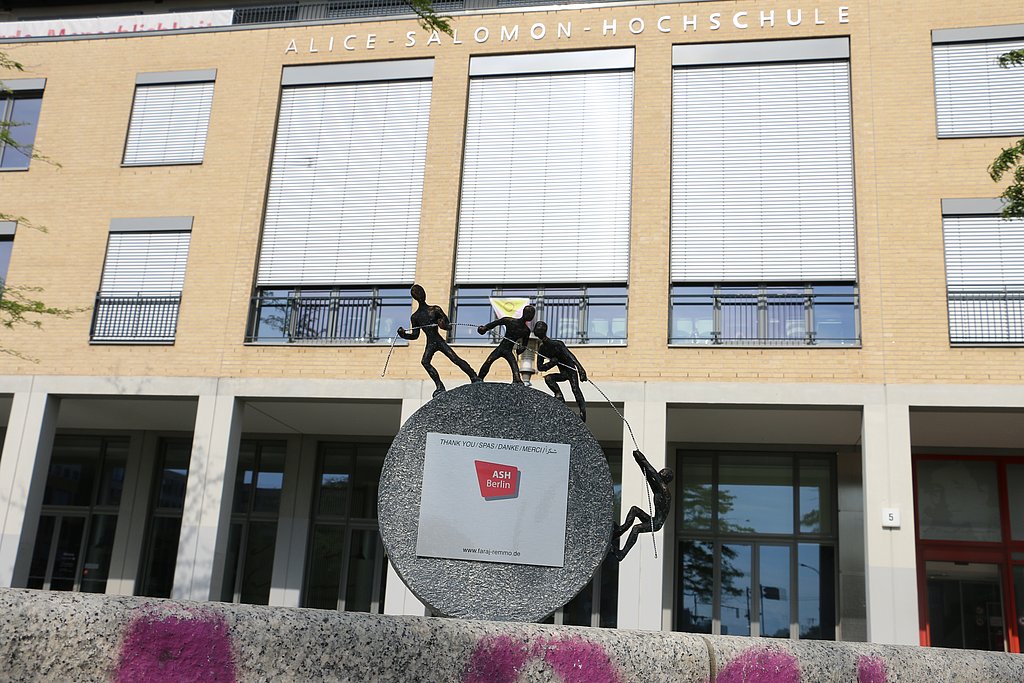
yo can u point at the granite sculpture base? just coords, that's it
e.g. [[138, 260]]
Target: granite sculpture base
[[496, 590]]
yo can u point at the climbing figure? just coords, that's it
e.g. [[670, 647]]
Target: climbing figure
[[430, 319], [556, 353], [658, 481], [517, 333]]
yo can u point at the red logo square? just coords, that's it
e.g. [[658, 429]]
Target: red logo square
[[497, 481]]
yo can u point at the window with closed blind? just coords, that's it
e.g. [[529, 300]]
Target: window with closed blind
[[343, 208], [984, 272], [974, 96], [763, 225], [170, 117], [546, 187], [140, 291]]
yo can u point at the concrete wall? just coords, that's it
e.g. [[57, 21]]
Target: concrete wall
[[79, 637]]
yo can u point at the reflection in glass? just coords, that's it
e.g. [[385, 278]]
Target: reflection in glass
[[163, 554], [761, 492], [6, 245], [815, 496], [259, 563], [965, 608], [69, 545], [1018, 590], [41, 552], [1015, 492], [23, 114], [364, 491], [97, 554], [365, 555], [324, 567], [815, 581], [958, 500], [334, 481], [736, 589], [696, 495], [773, 567], [696, 579]]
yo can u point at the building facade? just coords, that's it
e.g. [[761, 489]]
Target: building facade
[[766, 230]]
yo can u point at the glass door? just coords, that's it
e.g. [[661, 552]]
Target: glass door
[[965, 605]]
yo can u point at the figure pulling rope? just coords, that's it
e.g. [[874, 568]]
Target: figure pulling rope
[[556, 353], [517, 334], [430, 319]]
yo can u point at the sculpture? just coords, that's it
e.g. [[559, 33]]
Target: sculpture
[[517, 333], [556, 353], [430, 319], [658, 481]]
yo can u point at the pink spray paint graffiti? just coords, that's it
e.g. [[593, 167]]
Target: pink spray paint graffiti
[[499, 659], [175, 649], [761, 666], [871, 670]]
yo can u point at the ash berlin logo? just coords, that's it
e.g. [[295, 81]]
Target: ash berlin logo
[[497, 482]]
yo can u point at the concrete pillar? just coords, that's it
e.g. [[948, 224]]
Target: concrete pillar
[[293, 522], [642, 575], [890, 558], [23, 468], [132, 515], [202, 546], [398, 599]]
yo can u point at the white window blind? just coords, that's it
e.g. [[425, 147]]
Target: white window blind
[[346, 185], [547, 179], [145, 263], [762, 173], [974, 96], [168, 124], [984, 253]]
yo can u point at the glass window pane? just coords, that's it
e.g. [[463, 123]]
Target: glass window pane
[[270, 480], [72, 472], [244, 476], [816, 591], [755, 494], [958, 500], [365, 562], [736, 584], [1018, 588], [835, 314], [696, 493], [24, 119], [6, 245], [773, 568], [112, 482], [815, 496], [334, 482], [259, 563], [324, 567], [97, 553], [227, 593], [693, 315], [609, 593], [364, 491], [577, 612], [162, 556], [272, 316], [41, 552], [173, 476], [697, 583], [69, 546], [1015, 491]]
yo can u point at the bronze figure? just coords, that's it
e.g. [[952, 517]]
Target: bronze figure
[[659, 481], [555, 353], [517, 333], [430, 319]]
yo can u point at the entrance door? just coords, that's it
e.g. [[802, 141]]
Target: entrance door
[[965, 605]]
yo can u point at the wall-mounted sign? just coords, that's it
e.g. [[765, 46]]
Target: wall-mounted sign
[[124, 24], [494, 500]]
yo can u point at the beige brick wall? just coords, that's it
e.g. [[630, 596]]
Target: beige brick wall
[[902, 172]]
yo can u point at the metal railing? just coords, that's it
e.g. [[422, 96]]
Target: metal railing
[[332, 318], [589, 318], [355, 9], [987, 317], [764, 316], [135, 318]]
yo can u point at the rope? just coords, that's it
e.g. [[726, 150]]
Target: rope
[[394, 340]]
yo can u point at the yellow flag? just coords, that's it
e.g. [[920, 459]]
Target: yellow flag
[[508, 307]]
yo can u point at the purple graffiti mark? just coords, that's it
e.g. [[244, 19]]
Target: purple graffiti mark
[[176, 649], [500, 659], [761, 666], [496, 660], [871, 670], [577, 661]]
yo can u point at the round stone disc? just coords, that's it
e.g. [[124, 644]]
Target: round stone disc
[[490, 590]]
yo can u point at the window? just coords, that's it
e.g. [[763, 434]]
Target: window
[[580, 314], [337, 314], [343, 207], [75, 536], [547, 176], [763, 228], [143, 275], [757, 545], [253, 534], [170, 116], [167, 503], [7, 230], [347, 567], [20, 102], [984, 273], [974, 96]]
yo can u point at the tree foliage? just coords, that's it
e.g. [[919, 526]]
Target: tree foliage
[[1010, 162], [428, 18]]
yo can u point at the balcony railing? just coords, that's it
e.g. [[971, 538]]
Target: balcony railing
[[135, 318], [740, 315], [579, 315], [355, 9], [987, 317], [328, 317]]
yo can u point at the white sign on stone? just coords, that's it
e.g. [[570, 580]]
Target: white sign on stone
[[494, 500]]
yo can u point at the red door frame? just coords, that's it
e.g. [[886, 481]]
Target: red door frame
[[998, 553]]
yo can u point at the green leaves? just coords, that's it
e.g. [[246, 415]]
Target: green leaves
[[1010, 161]]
